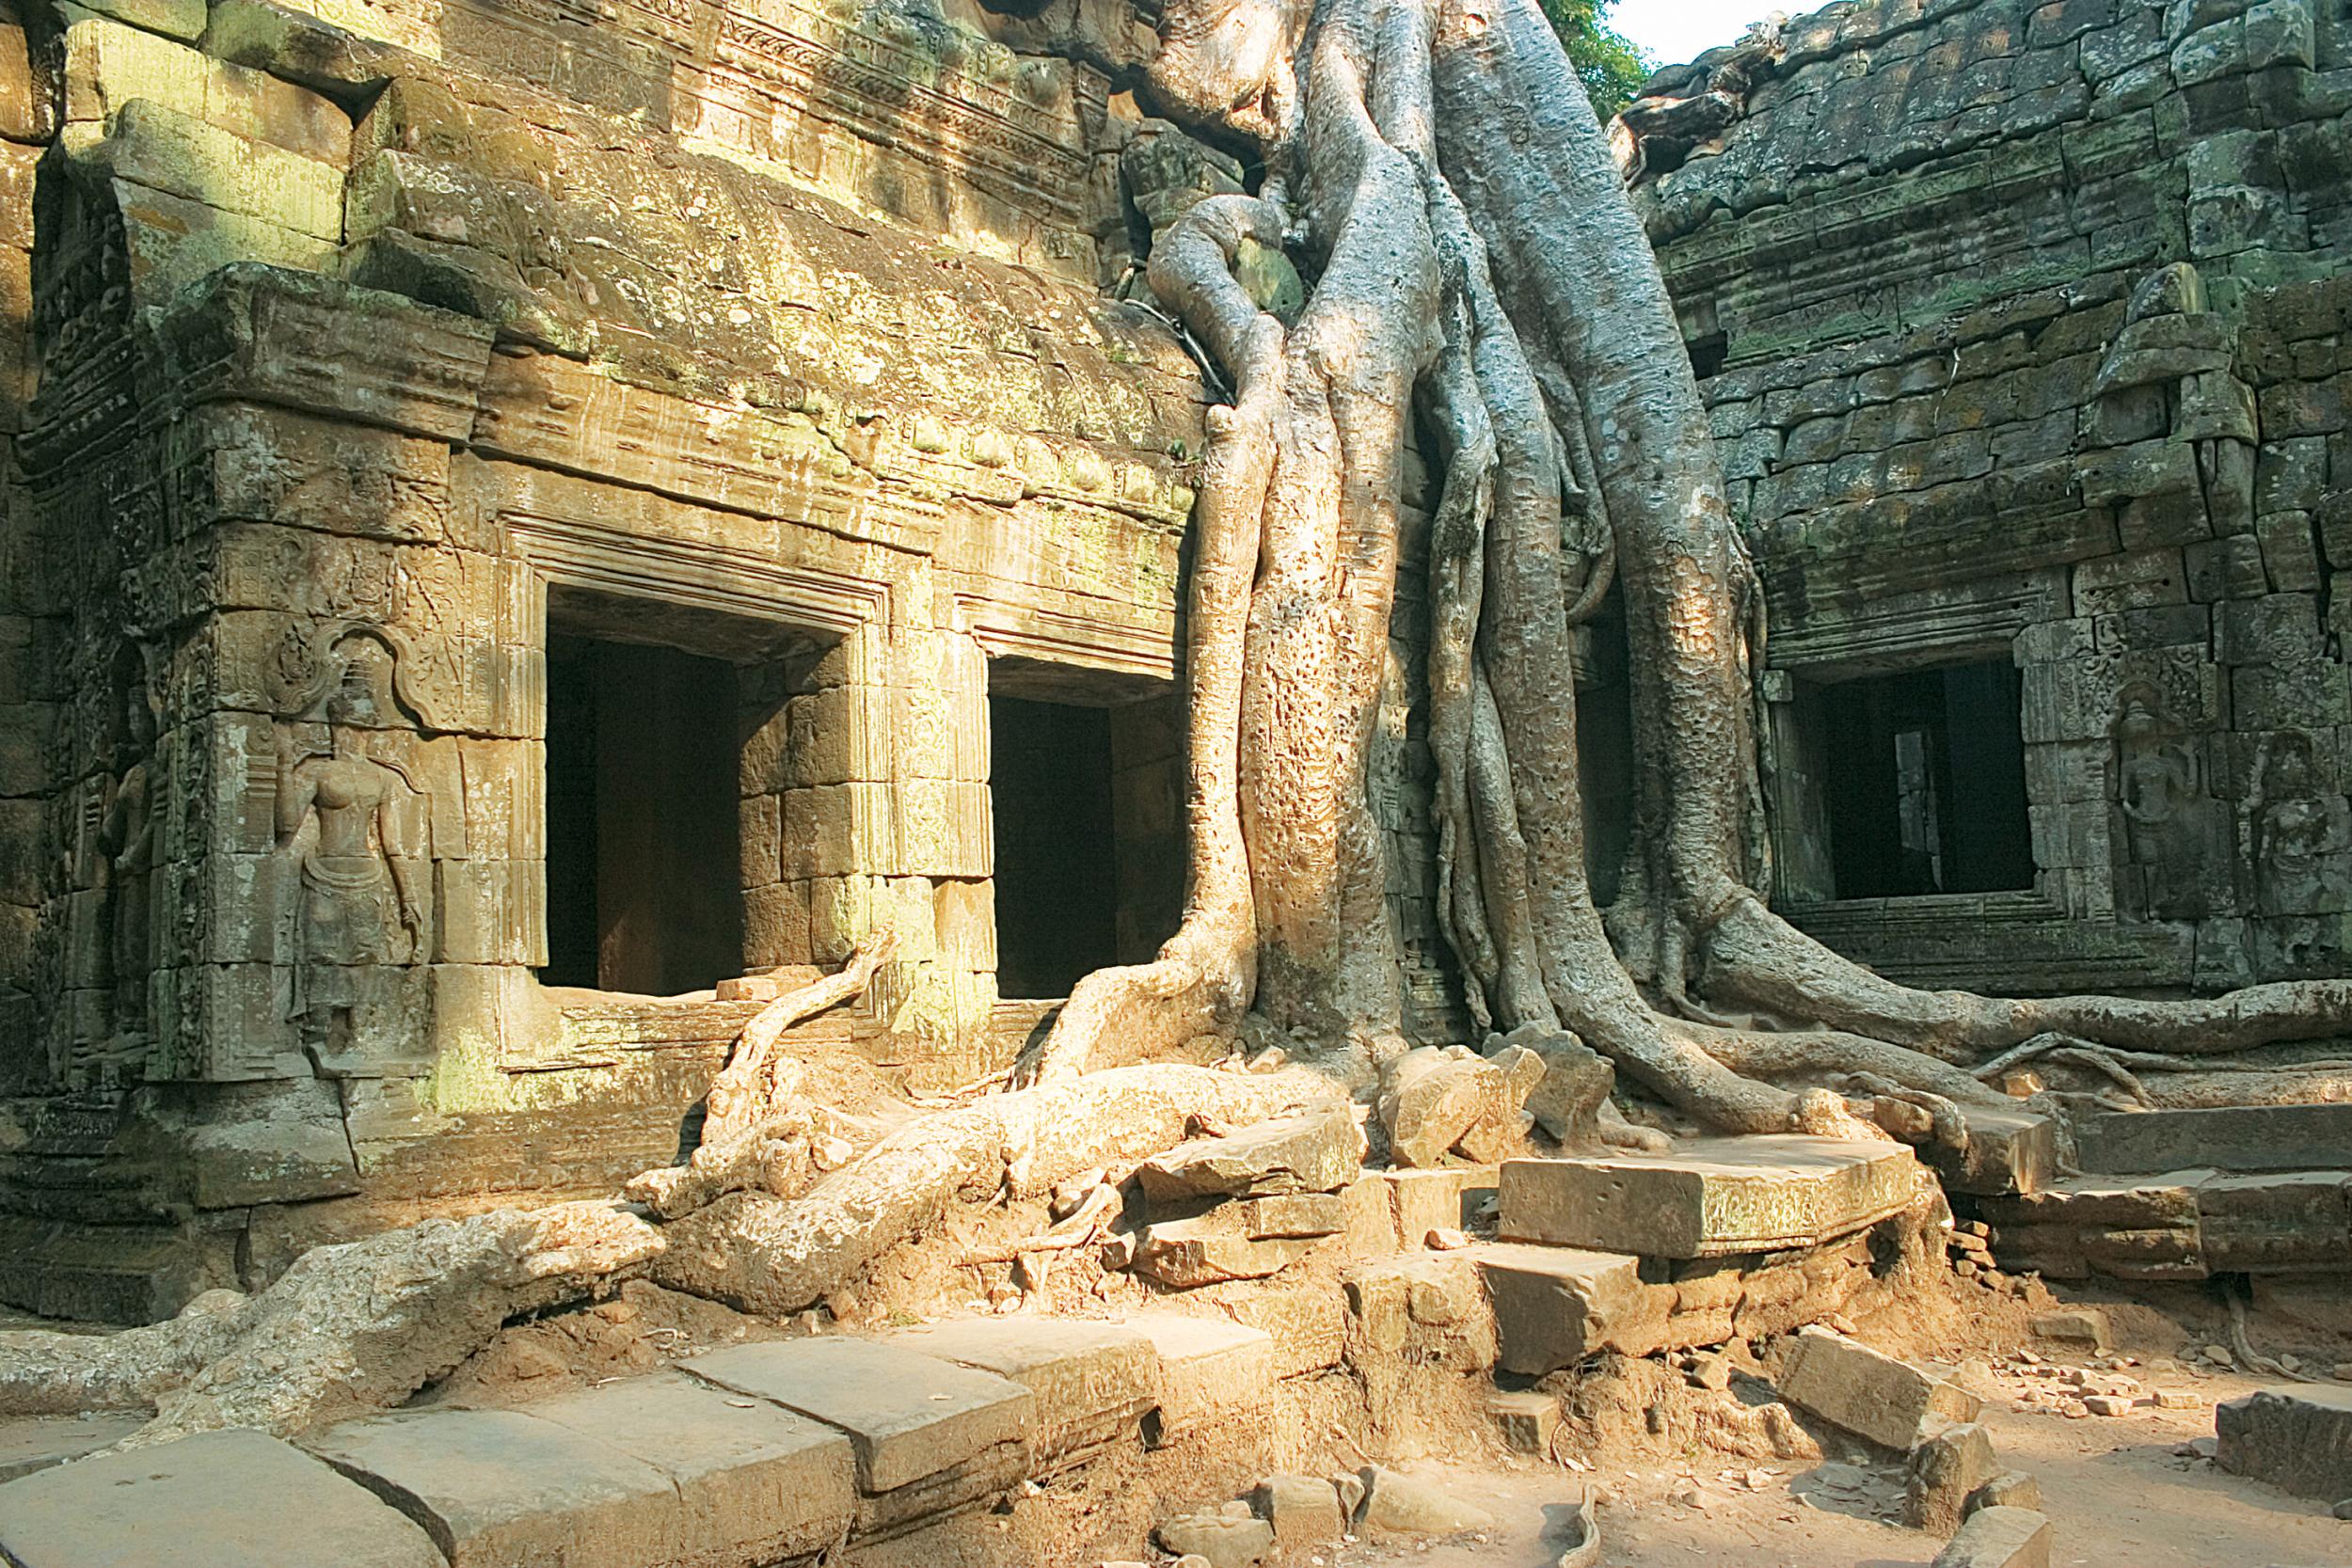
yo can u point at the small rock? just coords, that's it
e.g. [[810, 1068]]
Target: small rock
[[1447, 1241], [2108, 1405], [1400, 1505], [2178, 1399], [2289, 1362], [2219, 1356], [2342, 1510]]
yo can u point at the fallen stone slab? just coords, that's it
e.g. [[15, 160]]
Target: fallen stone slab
[[1998, 1538], [1092, 1381], [36, 1442], [1556, 1305], [500, 1487], [2297, 1438], [757, 1484], [908, 1416], [1869, 1394], [1567, 1102], [2086, 1326], [1209, 1370], [1315, 1151], [1709, 1196], [1184, 1255], [219, 1497], [2232, 1137]]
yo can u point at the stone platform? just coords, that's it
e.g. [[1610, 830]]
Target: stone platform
[[1711, 1198], [765, 1455]]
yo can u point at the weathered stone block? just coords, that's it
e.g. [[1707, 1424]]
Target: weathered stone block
[[757, 1484], [1092, 1383], [2238, 1138], [2255, 1223], [1209, 1369], [1556, 1305], [1304, 1511], [2297, 1438], [161, 147], [1318, 1152], [1947, 1470], [500, 1486], [107, 65], [220, 1496], [1296, 1216], [1426, 1200], [1184, 1255], [1869, 1394], [888, 1398], [1709, 1196], [1998, 1538]]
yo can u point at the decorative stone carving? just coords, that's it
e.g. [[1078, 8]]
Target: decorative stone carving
[[354, 836], [2174, 830]]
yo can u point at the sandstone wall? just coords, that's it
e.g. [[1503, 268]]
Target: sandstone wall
[[352, 335], [2023, 325]]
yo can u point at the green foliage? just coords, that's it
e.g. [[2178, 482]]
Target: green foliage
[[1612, 67]]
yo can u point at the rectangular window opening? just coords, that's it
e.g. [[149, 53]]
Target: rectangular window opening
[[644, 892], [1924, 783], [1089, 848]]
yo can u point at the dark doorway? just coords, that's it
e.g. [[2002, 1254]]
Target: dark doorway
[[1926, 783], [644, 874], [1057, 836]]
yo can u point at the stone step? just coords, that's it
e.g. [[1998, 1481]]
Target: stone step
[[502, 1487], [1093, 1383], [1210, 1370], [2178, 1225], [930, 1436], [2230, 1138], [217, 1498], [1709, 1198]]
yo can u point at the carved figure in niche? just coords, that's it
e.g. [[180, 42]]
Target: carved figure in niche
[[2172, 827], [345, 816], [126, 843], [2295, 829]]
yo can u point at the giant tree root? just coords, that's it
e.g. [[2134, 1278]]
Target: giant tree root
[[358, 1327], [761, 1254]]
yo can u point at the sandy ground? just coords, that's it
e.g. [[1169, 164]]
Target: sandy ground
[[2117, 1495]]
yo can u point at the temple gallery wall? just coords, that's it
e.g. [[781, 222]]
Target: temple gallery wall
[[524, 524]]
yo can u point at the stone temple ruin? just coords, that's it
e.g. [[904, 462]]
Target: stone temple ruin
[[534, 531]]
